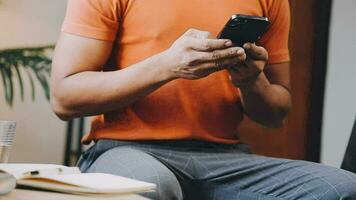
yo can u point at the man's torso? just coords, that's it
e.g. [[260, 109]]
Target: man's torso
[[207, 109]]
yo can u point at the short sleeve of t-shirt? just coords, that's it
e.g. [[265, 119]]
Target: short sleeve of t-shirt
[[97, 19], [275, 40]]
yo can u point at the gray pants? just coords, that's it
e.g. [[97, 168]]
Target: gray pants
[[202, 170]]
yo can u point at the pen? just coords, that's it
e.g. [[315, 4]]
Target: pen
[[53, 171]]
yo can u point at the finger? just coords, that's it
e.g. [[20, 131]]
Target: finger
[[210, 44], [233, 63], [216, 55], [195, 33], [202, 35], [204, 69], [223, 63], [257, 64], [233, 70], [238, 68], [256, 52]]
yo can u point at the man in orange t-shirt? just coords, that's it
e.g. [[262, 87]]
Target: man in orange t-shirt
[[168, 98]]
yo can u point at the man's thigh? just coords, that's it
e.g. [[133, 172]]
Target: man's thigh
[[244, 176], [132, 163]]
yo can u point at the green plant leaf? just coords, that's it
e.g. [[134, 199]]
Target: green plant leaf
[[36, 60], [32, 84], [44, 83], [3, 76], [19, 78], [11, 85], [8, 86]]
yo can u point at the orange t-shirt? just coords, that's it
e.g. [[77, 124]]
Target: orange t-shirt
[[207, 109]]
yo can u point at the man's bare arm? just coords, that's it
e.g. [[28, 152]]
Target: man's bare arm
[[264, 88], [268, 99], [80, 87]]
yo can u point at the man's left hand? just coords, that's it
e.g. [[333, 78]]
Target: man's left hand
[[245, 73]]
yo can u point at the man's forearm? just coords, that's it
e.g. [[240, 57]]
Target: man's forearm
[[266, 103], [80, 89], [92, 93]]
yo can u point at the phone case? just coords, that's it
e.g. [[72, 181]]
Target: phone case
[[241, 29]]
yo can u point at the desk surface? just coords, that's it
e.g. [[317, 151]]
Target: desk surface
[[20, 194]]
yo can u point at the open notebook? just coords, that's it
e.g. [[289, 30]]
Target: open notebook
[[69, 180]]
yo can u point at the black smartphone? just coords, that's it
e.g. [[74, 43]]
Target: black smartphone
[[241, 29]]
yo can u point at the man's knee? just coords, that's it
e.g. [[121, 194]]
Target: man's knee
[[136, 164], [343, 191], [337, 184], [167, 187]]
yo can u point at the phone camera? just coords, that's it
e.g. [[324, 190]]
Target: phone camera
[[238, 21]]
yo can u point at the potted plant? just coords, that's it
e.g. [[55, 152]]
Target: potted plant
[[35, 63]]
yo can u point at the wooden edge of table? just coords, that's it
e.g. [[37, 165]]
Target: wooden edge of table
[[22, 194]]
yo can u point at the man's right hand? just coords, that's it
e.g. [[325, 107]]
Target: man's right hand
[[194, 55], [81, 88]]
